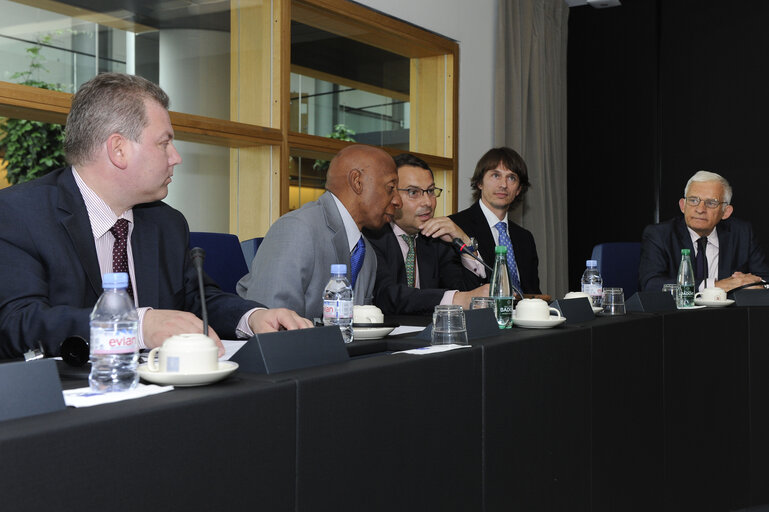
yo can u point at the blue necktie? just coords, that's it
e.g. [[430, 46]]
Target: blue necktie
[[356, 260], [504, 239]]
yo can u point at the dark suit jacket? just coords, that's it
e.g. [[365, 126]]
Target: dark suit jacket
[[473, 222], [49, 271], [661, 247], [440, 269]]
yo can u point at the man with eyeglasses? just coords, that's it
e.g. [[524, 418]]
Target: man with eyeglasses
[[499, 182], [417, 267], [724, 250]]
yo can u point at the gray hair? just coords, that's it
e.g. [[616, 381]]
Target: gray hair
[[703, 176], [106, 104]]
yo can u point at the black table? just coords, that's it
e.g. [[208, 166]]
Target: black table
[[642, 412]]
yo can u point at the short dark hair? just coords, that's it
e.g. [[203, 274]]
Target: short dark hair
[[511, 160], [405, 159], [106, 104]]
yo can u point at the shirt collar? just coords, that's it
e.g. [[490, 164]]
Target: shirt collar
[[350, 227], [491, 217], [100, 215], [712, 237]]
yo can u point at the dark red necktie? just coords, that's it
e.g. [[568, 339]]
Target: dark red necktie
[[120, 251]]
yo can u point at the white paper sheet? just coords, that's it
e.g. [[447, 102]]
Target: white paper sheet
[[84, 397]]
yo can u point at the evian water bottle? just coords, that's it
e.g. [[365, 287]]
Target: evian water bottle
[[337, 301], [114, 342]]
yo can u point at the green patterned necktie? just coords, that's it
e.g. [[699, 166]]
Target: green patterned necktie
[[410, 260]]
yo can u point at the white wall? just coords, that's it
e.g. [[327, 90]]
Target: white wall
[[472, 24]]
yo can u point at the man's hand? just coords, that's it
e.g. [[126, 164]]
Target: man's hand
[[444, 228], [737, 279], [271, 320], [160, 324], [463, 298]]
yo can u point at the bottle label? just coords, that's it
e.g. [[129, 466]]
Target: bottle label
[[593, 290], [337, 309], [112, 341]]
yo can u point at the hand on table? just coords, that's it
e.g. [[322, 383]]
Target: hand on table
[[161, 324], [737, 279], [463, 298], [271, 320]]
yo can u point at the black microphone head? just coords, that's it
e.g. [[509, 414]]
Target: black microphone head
[[197, 254]]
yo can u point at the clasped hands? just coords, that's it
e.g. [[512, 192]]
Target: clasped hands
[[161, 324], [736, 280]]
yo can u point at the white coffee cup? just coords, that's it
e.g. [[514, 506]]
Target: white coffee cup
[[534, 309], [577, 295], [367, 314], [711, 294], [185, 353]]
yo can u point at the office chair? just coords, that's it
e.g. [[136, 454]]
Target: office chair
[[618, 265], [224, 261]]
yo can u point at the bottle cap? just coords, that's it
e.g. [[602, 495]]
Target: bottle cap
[[115, 280], [592, 263], [500, 249], [338, 268], [685, 252]]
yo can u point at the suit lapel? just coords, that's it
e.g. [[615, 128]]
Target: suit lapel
[[73, 215], [483, 233], [145, 246]]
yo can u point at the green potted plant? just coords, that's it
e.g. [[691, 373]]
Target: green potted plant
[[32, 148]]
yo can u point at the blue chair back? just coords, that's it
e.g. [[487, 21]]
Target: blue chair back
[[249, 248], [224, 261], [618, 265]]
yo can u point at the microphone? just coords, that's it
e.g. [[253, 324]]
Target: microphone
[[462, 247], [197, 255]]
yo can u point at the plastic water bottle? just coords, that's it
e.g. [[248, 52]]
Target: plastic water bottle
[[592, 283], [499, 288], [114, 342], [686, 280], [337, 302]]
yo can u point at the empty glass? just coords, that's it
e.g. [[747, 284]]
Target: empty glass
[[449, 325], [613, 301], [674, 290], [482, 303]]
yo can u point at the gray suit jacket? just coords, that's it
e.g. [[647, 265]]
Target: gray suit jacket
[[293, 263]]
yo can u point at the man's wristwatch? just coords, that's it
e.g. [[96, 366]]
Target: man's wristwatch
[[473, 245]]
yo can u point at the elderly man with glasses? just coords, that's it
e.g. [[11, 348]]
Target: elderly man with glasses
[[725, 253], [417, 267]]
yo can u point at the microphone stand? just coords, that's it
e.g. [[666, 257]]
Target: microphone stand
[[197, 255]]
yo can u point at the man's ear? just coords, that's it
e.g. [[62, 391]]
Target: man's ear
[[355, 180], [117, 150], [727, 212], [682, 204]]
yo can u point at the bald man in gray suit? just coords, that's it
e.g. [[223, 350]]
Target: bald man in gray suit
[[293, 263]]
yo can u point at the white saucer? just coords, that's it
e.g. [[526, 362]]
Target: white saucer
[[538, 324], [370, 333], [714, 303], [692, 307], [597, 310], [188, 379]]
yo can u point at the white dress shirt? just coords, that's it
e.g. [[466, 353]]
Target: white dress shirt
[[711, 253]]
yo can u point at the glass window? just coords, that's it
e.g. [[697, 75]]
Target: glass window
[[347, 90]]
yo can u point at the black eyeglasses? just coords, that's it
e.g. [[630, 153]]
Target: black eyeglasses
[[416, 192], [710, 203]]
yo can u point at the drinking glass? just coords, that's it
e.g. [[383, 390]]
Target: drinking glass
[[674, 290], [613, 301], [449, 325]]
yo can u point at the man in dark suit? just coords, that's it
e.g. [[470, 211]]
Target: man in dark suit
[[417, 267], [500, 180], [724, 251], [56, 233]]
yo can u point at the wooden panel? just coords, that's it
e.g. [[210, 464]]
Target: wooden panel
[[254, 190], [361, 86], [118, 19]]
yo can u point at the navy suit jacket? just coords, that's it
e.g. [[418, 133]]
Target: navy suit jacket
[[440, 269], [738, 250], [50, 278], [473, 222]]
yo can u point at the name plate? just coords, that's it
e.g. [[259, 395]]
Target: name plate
[[651, 302], [576, 311], [29, 388], [282, 351], [752, 297]]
